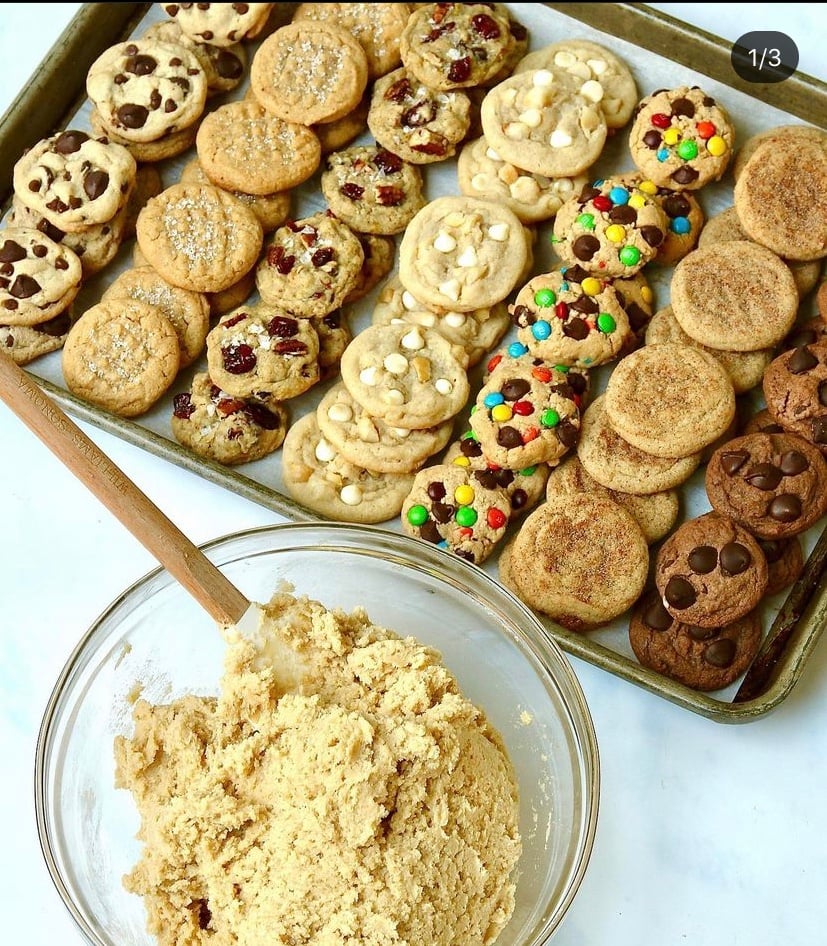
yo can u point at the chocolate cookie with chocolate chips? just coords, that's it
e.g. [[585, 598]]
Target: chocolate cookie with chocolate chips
[[710, 571], [773, 484], [703, 658], [795, 389]]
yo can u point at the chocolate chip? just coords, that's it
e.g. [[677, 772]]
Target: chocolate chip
[[676, 205], [701, 633], [679, 593], [509, 437], [772, 549], [585, 305], [588, 193], [703, 559], [683, 107], [228, 65], [785, 508], [576, 329], [735, 558], [574, 273], [623, 214], [584, 247], [567, 433], [685, 175], [801, 360], [132, 115], [733, 460], [819, 430], [141, 65], [70, 141], [436, 490], [655, 616], [95, 183], [429, 532], [470, 447], [11, 252], [720, 653], [519, 499], [804, 336], [503, 478], [442, 512], [24, 287], [652, 139], [764, 476], [515, 388], [822, 394], [486, 478], [793, 462], [638, 317], [652, 235], [708, 101]]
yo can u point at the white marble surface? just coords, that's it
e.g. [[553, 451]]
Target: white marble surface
[[708, 833]]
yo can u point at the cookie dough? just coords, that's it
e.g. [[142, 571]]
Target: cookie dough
[[366, 798]]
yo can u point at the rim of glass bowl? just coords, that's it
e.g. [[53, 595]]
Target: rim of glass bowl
[[521, 625]]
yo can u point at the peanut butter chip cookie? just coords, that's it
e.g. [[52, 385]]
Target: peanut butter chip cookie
[[416, 122], [611, 228], [537, 121], [75, 181], [456, 45], [577, 323], [737, 296], [449, 507], [261, 349], [224, 428], [121, 355], [581, 559], [144, 89], [669, 400], [220, 24], [309, 72], [461, 254], [372, 189], [406, 375], [38, 277], [710, 571], [242, 147], [199, 238], [318, 476], [681, 138], [309, 266], [377, 27]]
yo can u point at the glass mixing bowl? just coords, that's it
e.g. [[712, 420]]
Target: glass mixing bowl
[[156, 640]]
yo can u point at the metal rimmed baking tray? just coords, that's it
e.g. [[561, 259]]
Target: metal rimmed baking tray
[[654, 45]]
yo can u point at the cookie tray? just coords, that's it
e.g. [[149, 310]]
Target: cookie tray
[[56, 91]]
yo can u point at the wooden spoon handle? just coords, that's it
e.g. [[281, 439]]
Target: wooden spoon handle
[[182, 559]]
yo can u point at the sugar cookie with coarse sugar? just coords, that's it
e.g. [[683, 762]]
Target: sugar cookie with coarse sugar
[[144, 89], [669, 400], [581, 559], [221, 24], [242, 147], [601, 75], [481, 172], [309, 72], [681, 138], [317, 476], [407, 375], [781, 197], [459, 253], [75, 181], [224, 428], [449, 507], [39, 278], [121, 355], [538, 121], [737, 296], [199, 238], [613, 227]]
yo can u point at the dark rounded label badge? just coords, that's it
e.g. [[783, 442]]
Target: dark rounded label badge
[[764, 56]]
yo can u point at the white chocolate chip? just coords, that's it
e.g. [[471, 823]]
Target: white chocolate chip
[[509, 97], [324, 452], [508, 173], [480, 182], [413, 340], [531, 117], [443, 386], [444, 242], [409, 302], [453, 53], [426, 319], [525, 189], [499, 232], [538, 96], [592, 90], [368, 376], [340, 413], [455, 319], [589, 119], [401, 432], [560, 139], [455, 218], [450, 288], [542, 77], [516, 131], [395, 363], [580, 70], [394, 397], [491, 153], [351, 495], [468, 257], [597, 66], [366, 429], [564, 59]]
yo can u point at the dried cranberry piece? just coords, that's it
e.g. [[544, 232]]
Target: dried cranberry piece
[[229, 405], [351, 191], [486, 26], [388, 162], [322, 256], [238, 359], [182, 406], [261, 416], [460, 70], [389, 196], [281, 326], [234, 433], [438, 31]]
